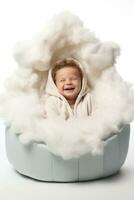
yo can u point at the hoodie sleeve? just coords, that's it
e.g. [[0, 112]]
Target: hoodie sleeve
[[51, 107]]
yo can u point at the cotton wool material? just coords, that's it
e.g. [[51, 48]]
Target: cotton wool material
[[22, 103]]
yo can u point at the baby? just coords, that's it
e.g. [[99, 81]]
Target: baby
[[68, 91]]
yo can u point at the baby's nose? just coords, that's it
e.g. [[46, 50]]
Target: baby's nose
[[68, 81]]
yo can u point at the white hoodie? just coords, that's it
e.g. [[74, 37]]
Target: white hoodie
[[57, 105]]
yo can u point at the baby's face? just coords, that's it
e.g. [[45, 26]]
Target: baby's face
[[68, 82]]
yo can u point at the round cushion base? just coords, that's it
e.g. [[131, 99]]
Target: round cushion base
[[37, 162]]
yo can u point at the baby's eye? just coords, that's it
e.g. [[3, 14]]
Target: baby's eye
[[74, 78], [62, 80]]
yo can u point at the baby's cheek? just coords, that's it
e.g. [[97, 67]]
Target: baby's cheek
[[59, 86], [78, 84]]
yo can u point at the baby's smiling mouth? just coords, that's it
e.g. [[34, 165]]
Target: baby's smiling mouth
[[69, 88]]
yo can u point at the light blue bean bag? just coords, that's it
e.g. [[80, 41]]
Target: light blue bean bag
[[37, 162]]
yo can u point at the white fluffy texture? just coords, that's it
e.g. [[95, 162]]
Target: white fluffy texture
[[22, 105]]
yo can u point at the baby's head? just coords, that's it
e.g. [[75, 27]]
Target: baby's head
[[67, 76]]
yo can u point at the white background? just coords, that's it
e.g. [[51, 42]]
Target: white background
[[111, 20]]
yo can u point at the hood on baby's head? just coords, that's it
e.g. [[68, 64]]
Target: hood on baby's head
[[51, 87]]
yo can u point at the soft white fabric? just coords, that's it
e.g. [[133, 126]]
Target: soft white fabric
[[22, 104]]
